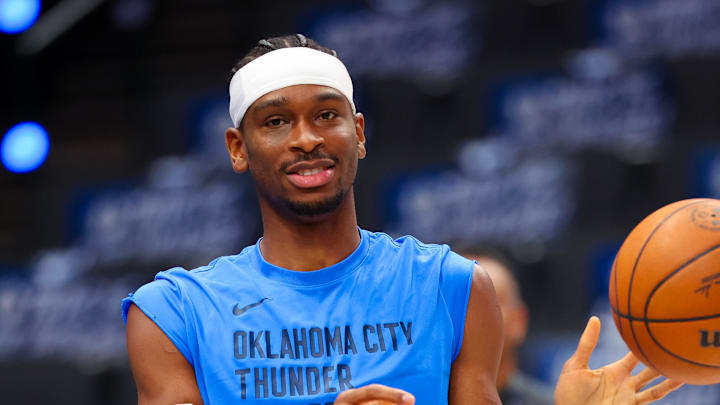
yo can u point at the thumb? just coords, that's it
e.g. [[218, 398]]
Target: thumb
[[586, 345]]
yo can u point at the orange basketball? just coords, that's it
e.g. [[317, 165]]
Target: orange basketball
[[665, 291]]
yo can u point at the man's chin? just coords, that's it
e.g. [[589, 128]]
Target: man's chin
[[312, 209]]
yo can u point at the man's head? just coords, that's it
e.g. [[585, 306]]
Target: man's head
[[295, 126], [514, 311], [274, 43]]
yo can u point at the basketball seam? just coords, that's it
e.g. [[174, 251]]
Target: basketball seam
[[671, 320], [677, 270], [632, 275], [617, 296], [657, 286]]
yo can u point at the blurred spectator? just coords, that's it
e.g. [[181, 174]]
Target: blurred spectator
[[515, 387]]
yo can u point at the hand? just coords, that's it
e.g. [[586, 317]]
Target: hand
[[375, 394], [610, 385]]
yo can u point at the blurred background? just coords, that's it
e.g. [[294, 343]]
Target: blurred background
[[544, 128]]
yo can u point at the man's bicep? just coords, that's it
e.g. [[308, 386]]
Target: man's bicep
[[161, 372], [472, 380]]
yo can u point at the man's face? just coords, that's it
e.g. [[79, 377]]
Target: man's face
[[301, 144]]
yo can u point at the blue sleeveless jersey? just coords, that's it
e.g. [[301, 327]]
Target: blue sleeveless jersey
[[392, 313]]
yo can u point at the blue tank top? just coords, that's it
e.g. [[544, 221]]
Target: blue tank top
[[392, 313]]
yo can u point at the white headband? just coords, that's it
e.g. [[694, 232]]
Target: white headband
[[283, 68]]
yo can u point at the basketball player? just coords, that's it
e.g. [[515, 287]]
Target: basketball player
[[317, 311], [514, 387]]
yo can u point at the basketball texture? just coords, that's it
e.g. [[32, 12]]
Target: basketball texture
[[665, 291]]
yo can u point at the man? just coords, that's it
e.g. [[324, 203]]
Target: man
[[317, 311], [514, 387]]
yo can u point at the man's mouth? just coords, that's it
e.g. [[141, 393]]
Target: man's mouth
[[311, 174]]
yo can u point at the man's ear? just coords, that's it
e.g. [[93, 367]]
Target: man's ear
[[518, 326], [237, 149], [360, 132]]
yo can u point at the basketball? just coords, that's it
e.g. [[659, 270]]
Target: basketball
[[665, 291]]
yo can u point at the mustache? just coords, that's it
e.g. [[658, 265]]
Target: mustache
[[314, 155]]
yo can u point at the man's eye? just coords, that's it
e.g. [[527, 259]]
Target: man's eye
[[275, 122], [327, 115]]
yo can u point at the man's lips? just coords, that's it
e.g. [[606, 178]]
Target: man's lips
[[311, 174], [309, 164], [312, 178]]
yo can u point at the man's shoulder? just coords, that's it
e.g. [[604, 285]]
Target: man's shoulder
[[404, 242], [178, 284], [425, 255], [216, 269]]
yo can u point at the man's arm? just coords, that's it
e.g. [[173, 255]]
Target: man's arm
[[162, 374], [472, 379]]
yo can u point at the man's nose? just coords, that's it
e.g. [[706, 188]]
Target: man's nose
[[305, 137]]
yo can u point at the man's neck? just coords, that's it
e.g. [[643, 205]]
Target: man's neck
[[309, 245], [508, 366]]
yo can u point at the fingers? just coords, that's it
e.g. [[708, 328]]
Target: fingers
[[644, 377], [374, 392], [657, 392], [629, 362], [586, 345]]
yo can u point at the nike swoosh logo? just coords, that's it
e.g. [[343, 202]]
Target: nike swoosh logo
[[237, 311]]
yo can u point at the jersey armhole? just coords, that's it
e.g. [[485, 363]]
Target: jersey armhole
[[461, 329], [455, 286], [174, 338]]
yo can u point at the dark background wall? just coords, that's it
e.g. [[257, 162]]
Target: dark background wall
[[547, 128]]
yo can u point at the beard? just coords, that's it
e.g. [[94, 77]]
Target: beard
[[315, 208]]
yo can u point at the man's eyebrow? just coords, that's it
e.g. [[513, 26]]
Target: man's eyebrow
[[329, 95], [273, 102]]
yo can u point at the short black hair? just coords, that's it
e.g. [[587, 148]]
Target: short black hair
[[266, 45]]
